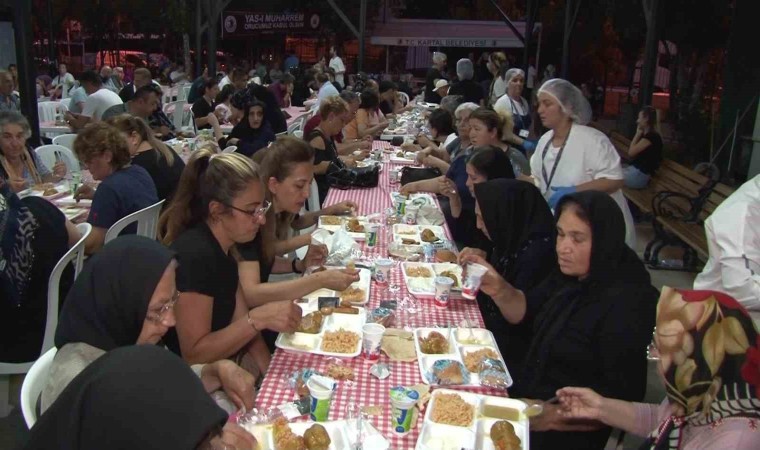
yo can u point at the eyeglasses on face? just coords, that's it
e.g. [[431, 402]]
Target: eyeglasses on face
[[257, 212], [158, 316]]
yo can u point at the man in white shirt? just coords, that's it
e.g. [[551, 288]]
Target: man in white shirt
[[105, 74], [336, 64], [78, 98], [733, 240], [99, 99], [326, 89], [62, 83]]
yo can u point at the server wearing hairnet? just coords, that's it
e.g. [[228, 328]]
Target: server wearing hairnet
[[573, 157]]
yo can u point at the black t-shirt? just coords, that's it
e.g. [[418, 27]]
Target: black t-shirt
[[386, 107], [165, 177], [432, 75], [470, 90], [253, 251], [127, 92], [22, 328], [205, 269], [201, 109], [330, 153], [648, 161]]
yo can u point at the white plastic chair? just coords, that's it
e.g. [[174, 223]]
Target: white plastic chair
[[46, 153], [298, 134], [403, 97], [48, 111], [146, 219], [66, 102], [313, 200], [66, 140], [34, 383], [183, 92], [180, 118], [167, 94], [76, 255], [294, 126], [230, 149]]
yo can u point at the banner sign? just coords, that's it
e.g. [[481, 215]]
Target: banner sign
[[443, 42], [247, 23]]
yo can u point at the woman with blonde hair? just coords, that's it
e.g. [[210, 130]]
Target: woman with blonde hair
[[162, 163], [497, 65], [219, 203]]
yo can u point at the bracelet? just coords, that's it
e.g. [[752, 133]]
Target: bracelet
[[293, 266], [250, 322]]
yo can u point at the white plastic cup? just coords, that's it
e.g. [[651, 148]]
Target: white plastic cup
[[321, 399], [402, 409], [371, 235], [383, 270], [442, 292], [372, 337], [471, 283], [410, 216], [393, 176]]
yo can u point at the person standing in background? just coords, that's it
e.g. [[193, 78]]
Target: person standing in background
[[62, 83], [435, 73], [337, 65]]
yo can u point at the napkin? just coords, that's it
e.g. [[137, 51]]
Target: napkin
[[398, 345], [430, 215], [340, 245]]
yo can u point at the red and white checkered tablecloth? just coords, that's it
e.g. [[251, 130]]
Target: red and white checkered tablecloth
[[367, 390]]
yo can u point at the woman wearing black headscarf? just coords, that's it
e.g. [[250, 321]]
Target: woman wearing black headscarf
[[252, 133], [515, 218], [591, 319], [137, 397], [124, 296]]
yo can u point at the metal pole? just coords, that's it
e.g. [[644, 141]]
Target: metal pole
[[538, 54], [566, 38], [530, 20], [651, 49], [509, 23], [387, 59], [212, 19], [362, 30], [52, 54], [22, 30], [198, 44]]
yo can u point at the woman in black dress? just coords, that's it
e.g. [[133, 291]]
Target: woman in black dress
[[591, 319]]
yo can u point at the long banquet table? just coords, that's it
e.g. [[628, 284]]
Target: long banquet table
[[366, 390]]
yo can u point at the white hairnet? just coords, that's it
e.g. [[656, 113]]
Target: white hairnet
[[511, 73], [570, 99], [439, 57], [465, 70]]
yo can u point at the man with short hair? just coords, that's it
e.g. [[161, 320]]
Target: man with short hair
[[337, 65], [466, 87], [390, 103], [62, 83], [9, 101], [326, 89], [435, 73], [195, 88], [105, 74], [142, 77], [142, 104], [99, 99]]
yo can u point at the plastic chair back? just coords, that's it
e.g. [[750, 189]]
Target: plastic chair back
[[146, 219], [230, 149], [46, 153], [184, 90], [403, 97], [48, 111], [34, 383], [66, 140], [313, 200]]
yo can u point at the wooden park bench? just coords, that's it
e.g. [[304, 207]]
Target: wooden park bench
[[679, 200]]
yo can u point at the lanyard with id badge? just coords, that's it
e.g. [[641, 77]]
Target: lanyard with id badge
[[522, 121], [548, 179]]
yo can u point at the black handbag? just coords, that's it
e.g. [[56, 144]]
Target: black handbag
[[411, 174], [358, 177]]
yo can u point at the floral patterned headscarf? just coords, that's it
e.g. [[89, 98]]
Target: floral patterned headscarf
[[710, 357]]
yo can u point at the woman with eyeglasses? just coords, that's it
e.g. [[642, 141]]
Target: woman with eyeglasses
[[125, 296], [219, 203], [137, 397], [287, 171]]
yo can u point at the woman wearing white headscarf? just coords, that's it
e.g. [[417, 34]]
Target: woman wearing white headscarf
[[572, 157], [514, 103]]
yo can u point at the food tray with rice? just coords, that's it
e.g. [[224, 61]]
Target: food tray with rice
[[419, 278], [355, 226], [356, 294], [327, 331], [331, 435], [460, 357], [69, 200], [419, 235], [464, 420]]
